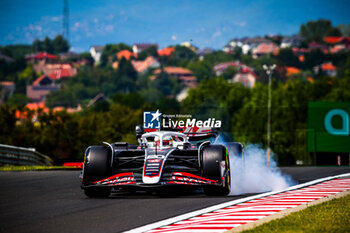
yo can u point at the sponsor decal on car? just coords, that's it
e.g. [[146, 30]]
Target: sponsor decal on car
[[152, 121], [118, 179], [190, 179]]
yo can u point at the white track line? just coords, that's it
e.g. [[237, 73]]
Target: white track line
[[226, 204]]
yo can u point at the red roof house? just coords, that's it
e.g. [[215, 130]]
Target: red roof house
[[246, 77], [326, 69], [333, 39], [182, 74], [138, 48], [40, 88], [41, 56], [166, 51], [292, 71], [126, 54], [142, 66], [265, 48]]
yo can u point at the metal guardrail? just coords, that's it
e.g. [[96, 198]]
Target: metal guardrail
[[13, 155]]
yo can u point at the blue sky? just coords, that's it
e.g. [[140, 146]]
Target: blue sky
[[206, 23]]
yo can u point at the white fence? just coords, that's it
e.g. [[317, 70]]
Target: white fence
[[12, 155]]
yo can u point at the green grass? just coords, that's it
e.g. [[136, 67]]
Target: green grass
[[330, 216], [34, 168]]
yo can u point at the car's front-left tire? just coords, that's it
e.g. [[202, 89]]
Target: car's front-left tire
[[96, 167]]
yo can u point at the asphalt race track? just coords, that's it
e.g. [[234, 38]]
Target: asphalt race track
[[52, 201]]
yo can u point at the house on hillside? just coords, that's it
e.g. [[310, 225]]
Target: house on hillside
[[220, 68], [96, 52], [166, 51], [246, 44], [143, 66], [245, 76], [291, 41], [337, 40], [126, 54], [189, 45], [100, 98], [69, 55], [68, 110], [56, 71], [326, 68], [41, 56], [265, 48], [316, 45], [337, 48], [40, 88], [291, 71], [185, 76], [138, 48], [59, 71], [338, 43]]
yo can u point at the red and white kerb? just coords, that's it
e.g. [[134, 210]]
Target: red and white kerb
[[232, 216]]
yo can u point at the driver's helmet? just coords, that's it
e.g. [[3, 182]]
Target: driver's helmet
[[167, 141]]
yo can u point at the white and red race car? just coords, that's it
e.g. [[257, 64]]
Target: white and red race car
[[162, 158]]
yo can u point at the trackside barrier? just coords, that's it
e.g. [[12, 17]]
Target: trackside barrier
[[12, 155]]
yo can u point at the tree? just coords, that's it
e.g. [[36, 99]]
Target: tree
[[18, 100], [201, 69], [286, 57], [17, 52], [57, 45], [110, 51], [230, 72], [60, 44], [334, 32], [218, 57], [87, 56], [48, 45], [165, 84], [315, 57], [7, 123], [182, 52], [126, 76], [150, 51], [317, 30], [38, 46], [237, 52], [180, 57], [133, 99], [344, 29]]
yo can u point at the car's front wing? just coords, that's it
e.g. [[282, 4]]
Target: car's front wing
[[174, 178]]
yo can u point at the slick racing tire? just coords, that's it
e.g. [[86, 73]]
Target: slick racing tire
[[96, 167], [212, 157]]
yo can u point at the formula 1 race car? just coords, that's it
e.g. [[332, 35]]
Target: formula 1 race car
[[162, 158]]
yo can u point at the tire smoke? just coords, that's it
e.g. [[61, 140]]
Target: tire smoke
[[250, 174]]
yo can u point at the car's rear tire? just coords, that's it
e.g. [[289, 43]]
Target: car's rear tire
[[212, 157], [96, 167]]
